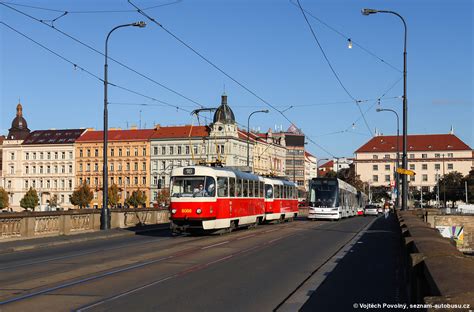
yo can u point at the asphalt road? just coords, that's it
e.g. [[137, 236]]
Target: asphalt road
[[248, 270]]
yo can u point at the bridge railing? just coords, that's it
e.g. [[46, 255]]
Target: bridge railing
[[436, 271], [52, 223]]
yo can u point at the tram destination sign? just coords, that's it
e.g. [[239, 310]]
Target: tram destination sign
[[405, 171], [188, 171]]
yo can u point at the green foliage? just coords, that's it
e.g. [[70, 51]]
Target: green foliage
[[53, 201], [380, 193], [349, 175], [113, 196], [4, 201], [163, 198], [470, 185], [30, 200], [137, 199], [451, 187], [82, 196]]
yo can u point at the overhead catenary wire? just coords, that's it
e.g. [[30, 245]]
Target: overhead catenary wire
[[153, 20], [89, 11], [91, 74], [332, 68], [347, 38], [101, 53]]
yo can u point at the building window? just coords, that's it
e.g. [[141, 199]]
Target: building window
[[387, 178], [27, 169], [128, 167], [144, 166], [112, 167], [96, 153], [144, 151], [120, 180], [450, 166], [144, 181], [155, 180], [81, 153], [412, 166], [412, 155], [424, 166], [437, 166], [56, 155], [425, 177], [120, 152], [163, 150], [163, 165], [96, 167], [48, 169], [70, 155], [136, 166], [27, 156], [387, 156], [41, 169], [155, 150], [12, 170], [375, 178], [70, 168], [187, 149], [120, 167], [387, 167], [136, 152], [63, 155], [26, 184], [128, 152], [136, 180], [424, 155], [80, 167], [112, 152], [88, 153], [171, 150], [375, 167], [34, 155], [450, 155], [437, 155], [88, 167]]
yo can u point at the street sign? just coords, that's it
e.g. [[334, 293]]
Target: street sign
[[405, 171]]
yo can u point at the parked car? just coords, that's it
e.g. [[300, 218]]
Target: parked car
[[360, 211], [371, 210]]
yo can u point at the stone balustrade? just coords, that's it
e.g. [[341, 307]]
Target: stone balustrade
[[23, 225], [436, 271]]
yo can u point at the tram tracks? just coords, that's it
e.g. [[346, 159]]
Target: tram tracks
[[94, 276]]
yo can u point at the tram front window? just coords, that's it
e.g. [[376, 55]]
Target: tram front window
[[193, 187], [323, 193]]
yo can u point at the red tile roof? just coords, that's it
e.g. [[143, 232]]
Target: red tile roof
[[417, 142], [147, 134], [181, 132], [328, 164], [117, 135]]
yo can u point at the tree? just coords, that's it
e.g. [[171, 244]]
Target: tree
[[451, 187], [137, 199], [53, 201], [82, 196], [163, 198], [380, 193], [113, 196], [30, 200], [470, 185], [330, 174], [4, 200], [349, 175]]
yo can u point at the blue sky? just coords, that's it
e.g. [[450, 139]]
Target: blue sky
[[264, 44]]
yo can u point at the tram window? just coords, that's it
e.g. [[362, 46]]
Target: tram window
[[222, 187], [251, 188], [245, 190], [255, 188], [262, 187], [277, 191], [286, 191], [232, 187], [239, 188], [268, 191], [210, 187]]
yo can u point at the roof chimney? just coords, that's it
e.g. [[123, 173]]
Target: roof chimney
[[133, 127], [452, 130], [157, 126]]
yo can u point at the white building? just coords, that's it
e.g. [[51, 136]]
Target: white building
[[44, 161], [430, 156]]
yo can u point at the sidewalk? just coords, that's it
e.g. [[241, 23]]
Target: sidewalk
[[41, 242], [371, 273]]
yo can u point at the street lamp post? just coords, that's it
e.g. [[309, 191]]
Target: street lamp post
[[266, 111], [405, 110], [397, 177], [104, 214]]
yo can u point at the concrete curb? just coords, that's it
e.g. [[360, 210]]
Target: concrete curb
[[296, 301], [62, 240]]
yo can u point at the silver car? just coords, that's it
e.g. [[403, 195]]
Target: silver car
[[370, 210]]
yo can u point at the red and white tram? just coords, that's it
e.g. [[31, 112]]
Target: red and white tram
[[281, 200], [213, 198]]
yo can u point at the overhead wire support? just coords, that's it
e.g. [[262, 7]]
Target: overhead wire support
[[101, 53], [141, 11], [332, 68]]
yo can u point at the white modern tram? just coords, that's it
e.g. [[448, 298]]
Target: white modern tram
[[333, 199]]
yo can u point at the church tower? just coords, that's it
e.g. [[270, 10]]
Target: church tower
[[19, 129]]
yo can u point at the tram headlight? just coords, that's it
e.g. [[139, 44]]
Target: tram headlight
[[198, 211], [173, 211]]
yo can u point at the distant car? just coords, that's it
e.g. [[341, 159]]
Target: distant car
[[360, 211], [371, 210]]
